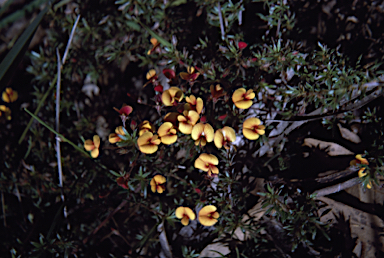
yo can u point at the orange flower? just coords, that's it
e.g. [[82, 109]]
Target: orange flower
[[242, 98], [146, 126], [208, 215], [363, 161], [187, 121], [93, 146], [148, 143], [191, 75], [124, 112], [216, 92], [9, 95], [167, 133], [115, 137], [252, 128], [155, 45], [5, 111], [223, 137], [172, 96], [202, 133], [185, 214], [194, 104], [158, 184], [207, 162]]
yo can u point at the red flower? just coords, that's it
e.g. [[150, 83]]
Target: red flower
[[169, 73], [159, 88], [124, 112], [242, 45]]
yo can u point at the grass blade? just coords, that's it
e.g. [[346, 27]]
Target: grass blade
[[13, 58]]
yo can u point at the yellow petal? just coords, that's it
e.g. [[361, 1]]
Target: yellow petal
[[191, 69], [190, 213], [200, 164], [185, 221], [153, 188], [160, 190], [179, 213], [197, 131], [159, 179], [251, 122], [119, 130], [184, 75], [361, 172], [206, 221], [206, 210], [113, 138], [176, 93], [167, 98], [193, 117], [219, 139], [238, 95], [95, 153], [209, 158], [88, 145], [191, 100], [244, 104], [185, 128], [148, 149], [164, 129], [214, 170], [250, 94], [361, 159], [144, 139], [169, 139], [96, 141], [209, 132], [369, 185], [215, 215], [153, 41], [229, 133], [199, 105], [151, 74], [250, 134]]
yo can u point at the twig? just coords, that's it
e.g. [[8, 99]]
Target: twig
[[221, 21], [240, 16], [50, 87], [57, 124], [337, 188], [122, 204], [164, 241], [70, 39], [337, 175]]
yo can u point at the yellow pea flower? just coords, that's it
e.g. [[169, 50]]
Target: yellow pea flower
[[185, 214], [208, 215]]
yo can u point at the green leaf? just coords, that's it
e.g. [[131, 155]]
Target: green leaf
[[154, 35], [133, 25], [178, 2], [13, 58]]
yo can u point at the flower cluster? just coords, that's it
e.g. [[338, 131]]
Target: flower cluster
[[207, 215], [8, 96], [363, 164], [183, 118]]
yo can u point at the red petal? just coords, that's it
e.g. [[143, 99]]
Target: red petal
[[242, 45]]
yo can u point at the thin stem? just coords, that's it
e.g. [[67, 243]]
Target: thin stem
[[221, 21], [70, 40]]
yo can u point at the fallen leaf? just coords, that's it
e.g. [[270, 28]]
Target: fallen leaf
[[349, 135], [333, 149]]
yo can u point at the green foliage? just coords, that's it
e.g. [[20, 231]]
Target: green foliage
[[112, 208]]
